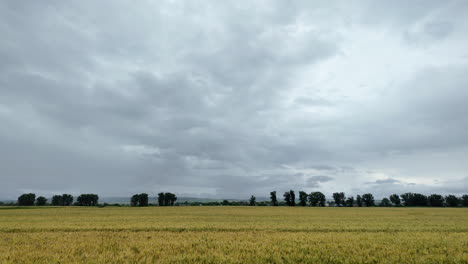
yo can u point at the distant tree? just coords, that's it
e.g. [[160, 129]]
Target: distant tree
[[166, 199], [274, 201], [252, 201], [82, 200], [67, 199], [350, 201], [317, 199], [27, 199], [465, 200], [359, 200], [161, 199], [368, 199], [94, 199], [436, 200], [87, 200], [62, 200], [385, 203], [420, 199], [287, 198], [303, 198], [143, 199], [406, 199], [135, 200], [395, 199], [57, 200], [173, 199], [293, 198], [451, 200], [41, 201], [339, 198], [414, 199], [225, 202]]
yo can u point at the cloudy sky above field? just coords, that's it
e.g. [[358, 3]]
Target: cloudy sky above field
[[232, 98]]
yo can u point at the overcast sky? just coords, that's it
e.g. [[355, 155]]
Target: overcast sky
[[231, 98]]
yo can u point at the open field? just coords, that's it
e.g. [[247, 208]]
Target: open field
[[233, 235]]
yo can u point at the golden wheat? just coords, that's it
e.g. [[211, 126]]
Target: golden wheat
[[233, 235]]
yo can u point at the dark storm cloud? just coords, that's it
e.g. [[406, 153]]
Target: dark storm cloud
[[228, 99]]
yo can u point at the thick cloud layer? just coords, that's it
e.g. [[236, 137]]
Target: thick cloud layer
[[227, 99]]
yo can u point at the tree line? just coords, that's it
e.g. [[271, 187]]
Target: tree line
[[29, 199], [315, 199], [164, 199], [318, 199]]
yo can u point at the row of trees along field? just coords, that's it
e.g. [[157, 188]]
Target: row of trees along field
[[366, 200], [164, 199], [29, 199], [315, 199]]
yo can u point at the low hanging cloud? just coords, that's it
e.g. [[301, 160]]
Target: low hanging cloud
[[229, 99]]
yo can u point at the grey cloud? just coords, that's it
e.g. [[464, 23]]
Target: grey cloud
[[323, 167], [436, 101], [386, 187], [314, 181], [385, 181], [230, 98]]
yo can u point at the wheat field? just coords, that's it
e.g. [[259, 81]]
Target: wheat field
[[233, 235]]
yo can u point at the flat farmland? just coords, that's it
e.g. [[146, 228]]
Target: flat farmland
[[233, 235]]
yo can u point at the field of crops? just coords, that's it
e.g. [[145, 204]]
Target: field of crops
[[233, 235]]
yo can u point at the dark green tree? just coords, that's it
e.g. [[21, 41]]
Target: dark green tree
[[274, 201], [406, 199], [451, 200], [87, 200], [303, 198], [395, 199], [293, 197], [57, 200], [385, 203], [67, 199], [368, 199], [359, 200], [414, 199], [317, 199], [27, 199], [143, 199], [252, 201], [287, 198], [225, 202], [135, 200], [62, 200], [169, 199], [173, 199], [94, 198], [350, 201], [465, 200], [41, 201], [161, 199], [339, 198], [436, 200]]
